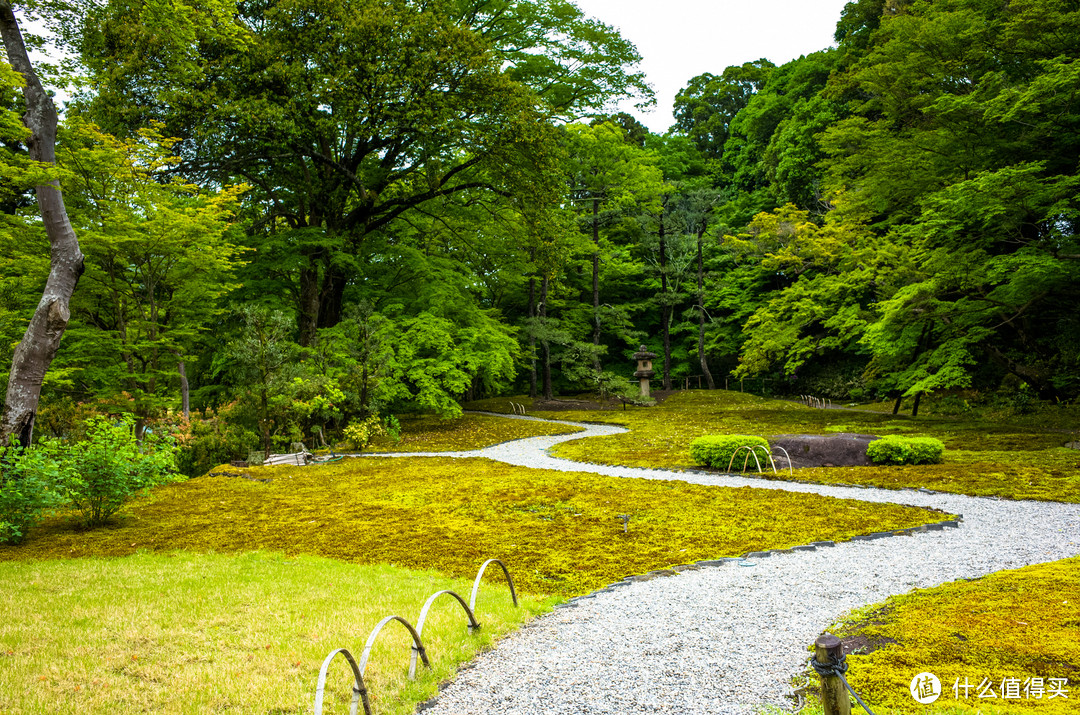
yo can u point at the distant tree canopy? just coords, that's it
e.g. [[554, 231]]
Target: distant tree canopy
[[435, 201]]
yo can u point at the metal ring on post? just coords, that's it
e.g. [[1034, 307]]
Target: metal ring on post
[[418, 645], [359, 689], [480, 575], [473, 624]]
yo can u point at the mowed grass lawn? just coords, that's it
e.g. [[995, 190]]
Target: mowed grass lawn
[[244, 633], [1021, 458]]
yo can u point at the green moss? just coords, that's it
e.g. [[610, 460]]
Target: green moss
[[1011, 459], [431, 434], [1022, 624], [557, 531]]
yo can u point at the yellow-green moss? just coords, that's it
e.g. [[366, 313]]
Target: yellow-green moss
[[1011, 460], [1018, 624], [558, 531], [430, 434]]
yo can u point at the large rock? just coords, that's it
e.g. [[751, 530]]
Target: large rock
[[842, 449]]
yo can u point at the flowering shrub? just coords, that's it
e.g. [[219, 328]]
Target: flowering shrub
[[360, 434]]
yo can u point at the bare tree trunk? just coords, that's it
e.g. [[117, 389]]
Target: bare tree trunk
[[915, 407], [596, 280], [309, 303], [532, 336], [701, 313], [665, 309], [36, 351], [185, 393], [544, 345]]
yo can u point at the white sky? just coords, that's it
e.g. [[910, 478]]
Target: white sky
[[680, 39]]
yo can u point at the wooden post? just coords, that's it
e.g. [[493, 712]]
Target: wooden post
[[834, 696]]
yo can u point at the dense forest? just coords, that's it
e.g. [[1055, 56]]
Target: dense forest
[[301, 214]]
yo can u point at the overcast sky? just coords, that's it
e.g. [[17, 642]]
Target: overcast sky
[[680, 39]]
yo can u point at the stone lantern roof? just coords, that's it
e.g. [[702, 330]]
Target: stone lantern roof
[[643, 354], [644, 359]]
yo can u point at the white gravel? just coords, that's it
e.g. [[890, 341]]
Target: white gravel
[[727, 639]]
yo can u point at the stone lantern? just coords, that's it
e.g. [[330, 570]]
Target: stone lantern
[[644, 368]]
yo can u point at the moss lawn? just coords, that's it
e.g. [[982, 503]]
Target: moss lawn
[[1021, 458], [558, 532], [1017, 628], [428, 433]]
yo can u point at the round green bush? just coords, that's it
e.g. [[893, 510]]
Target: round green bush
[[717, 450], [898, 449]]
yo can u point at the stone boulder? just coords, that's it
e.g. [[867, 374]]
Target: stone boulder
[[842, 449]]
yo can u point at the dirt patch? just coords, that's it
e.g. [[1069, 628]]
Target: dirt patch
[[843, 449], [858, 642], [862, 645]]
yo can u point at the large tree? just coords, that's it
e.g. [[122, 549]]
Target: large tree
[[42, 338], [345, 116]]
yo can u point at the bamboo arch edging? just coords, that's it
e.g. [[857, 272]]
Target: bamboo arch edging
[[472, 627], [752, 450], [360, 693], [359, 689], [480, 575]]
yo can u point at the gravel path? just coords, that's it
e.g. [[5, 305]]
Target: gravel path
[[727, 639]]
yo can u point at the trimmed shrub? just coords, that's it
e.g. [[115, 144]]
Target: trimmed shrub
[[716, 450], [898, 449]]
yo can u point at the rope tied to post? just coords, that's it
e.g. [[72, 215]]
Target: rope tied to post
[[835, 668]]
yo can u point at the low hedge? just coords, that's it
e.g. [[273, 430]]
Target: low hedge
[[717, 450], [898, 449]]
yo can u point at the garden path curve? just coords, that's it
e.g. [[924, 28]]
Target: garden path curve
[[727, 639]]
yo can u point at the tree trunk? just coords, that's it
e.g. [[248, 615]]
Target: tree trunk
[[701, 313], [544, 345], [309, 303], [332, 296], [896, 405], [1037, 379], [264, 421], [532, 336], [915, 406], [39, 344], [185, 393], [665, 309], [596, 280]]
